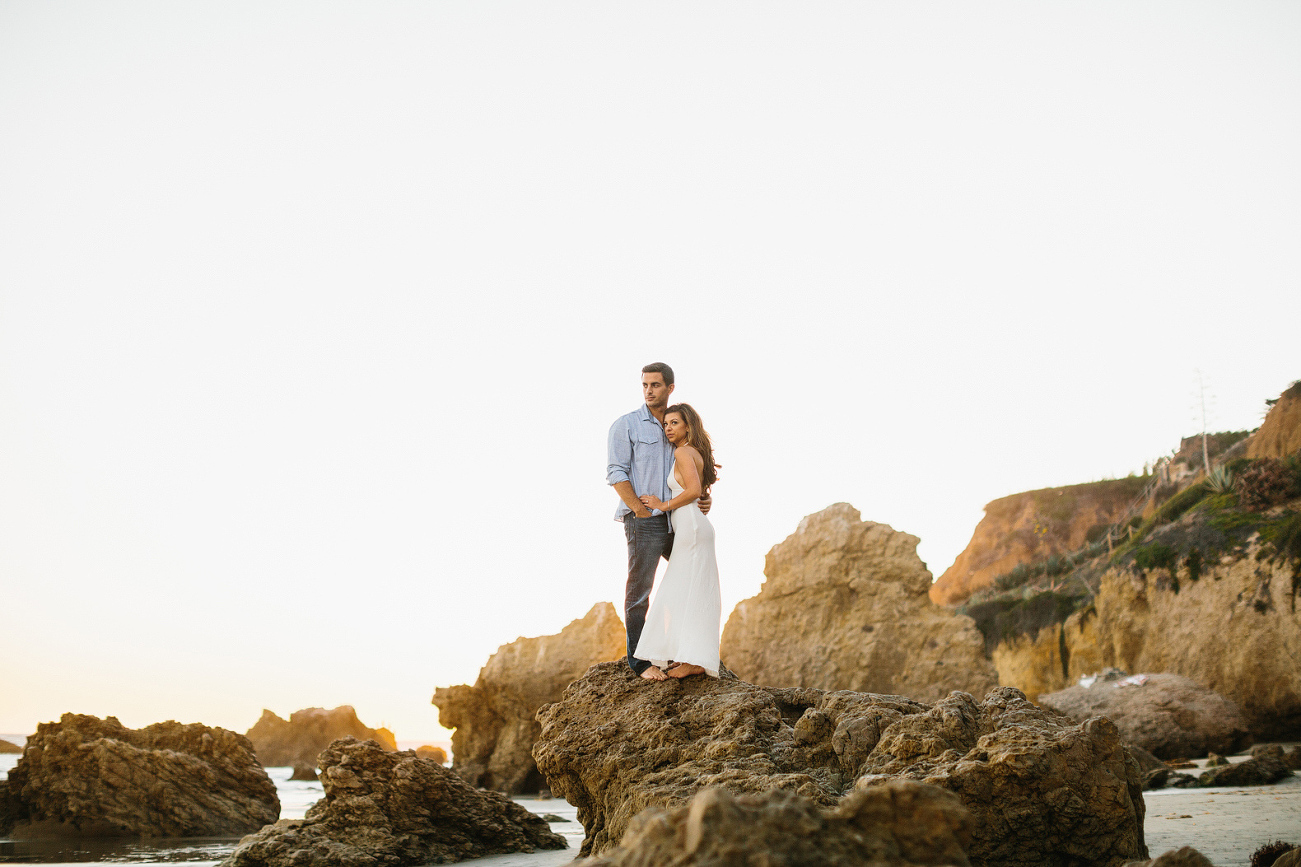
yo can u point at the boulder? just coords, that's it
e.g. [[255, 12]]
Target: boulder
[[7, 748], [1186, 856], [428, 751], [393, 809], [897, 823], [494, 719], [1167, 715], [1040, 789], [1261, 770], [300, 739], [85, 776], [305, 773], [1290, 757], [844, 606]]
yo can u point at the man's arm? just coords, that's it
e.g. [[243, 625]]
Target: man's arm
[[619, 465]]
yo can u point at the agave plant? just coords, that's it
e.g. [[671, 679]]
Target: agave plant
[[1220, 481]]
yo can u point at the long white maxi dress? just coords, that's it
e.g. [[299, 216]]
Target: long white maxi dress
[[682, 623]]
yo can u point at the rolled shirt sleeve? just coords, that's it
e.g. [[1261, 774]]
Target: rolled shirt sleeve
[[619, 453]]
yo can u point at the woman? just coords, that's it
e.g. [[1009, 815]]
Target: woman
[[682, 623]]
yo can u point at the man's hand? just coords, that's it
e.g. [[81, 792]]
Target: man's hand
[[705, 503]]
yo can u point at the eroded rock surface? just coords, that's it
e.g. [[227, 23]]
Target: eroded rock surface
[[494, 720], [1040, 789], [1280, 433], [845, 606], [1168, 715], [85, 776], [297, 741], [897, 823], [393, 809]]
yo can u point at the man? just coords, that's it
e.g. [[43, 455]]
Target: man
[[639, 460]]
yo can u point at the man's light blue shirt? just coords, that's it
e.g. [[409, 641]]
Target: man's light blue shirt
[[639, 453]]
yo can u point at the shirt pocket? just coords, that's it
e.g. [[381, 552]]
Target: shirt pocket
[[650, 437]]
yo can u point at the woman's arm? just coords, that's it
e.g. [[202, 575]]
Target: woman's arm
[[686, 458]]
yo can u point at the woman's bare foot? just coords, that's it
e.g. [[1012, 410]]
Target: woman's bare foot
[[685, 669], [654, 673]]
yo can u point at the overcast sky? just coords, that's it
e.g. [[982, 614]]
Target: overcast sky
[[313, 316]]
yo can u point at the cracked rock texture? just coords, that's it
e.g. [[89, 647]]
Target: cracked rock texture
[[848, 599], [297, 741], [393, 809], [897, 823], [495, 719], [85, 776], [1169, 716], [1040, 789]]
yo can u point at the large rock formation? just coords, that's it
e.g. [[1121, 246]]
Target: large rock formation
[[1041, 790], [393, 809], [1280, 433], [85, 776], [844, 606], [1052, 658], [494, 719], [1166, 714], [297, 741], [898, 823], [1032, 526]]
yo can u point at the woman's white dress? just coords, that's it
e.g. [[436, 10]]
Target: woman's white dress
[[682, 623]]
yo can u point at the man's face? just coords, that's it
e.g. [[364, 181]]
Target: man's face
[[655, 391]]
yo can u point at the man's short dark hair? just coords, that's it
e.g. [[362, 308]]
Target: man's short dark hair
[[662, 369]]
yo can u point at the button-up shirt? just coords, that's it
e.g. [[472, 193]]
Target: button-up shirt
[[640, 453]]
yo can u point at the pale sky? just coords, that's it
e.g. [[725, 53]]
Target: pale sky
[[313, 316]]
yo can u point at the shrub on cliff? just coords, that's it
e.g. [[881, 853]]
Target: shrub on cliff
[[1267, 482]]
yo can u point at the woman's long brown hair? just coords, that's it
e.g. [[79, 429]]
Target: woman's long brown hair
[[698, 438]]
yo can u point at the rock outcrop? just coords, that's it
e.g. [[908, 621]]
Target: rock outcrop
[[897, 823], [1185, 856], [7, 748], [298, 740], [1168, 715], [428, 751], [844, 606], [85, 776], [1031, 526], [1040, 789], [1280, 433], [494, 719], [1258, 770], [393, 809]]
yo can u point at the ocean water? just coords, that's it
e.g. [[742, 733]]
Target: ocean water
[[295, 797]]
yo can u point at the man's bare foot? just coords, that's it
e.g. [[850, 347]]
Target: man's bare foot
[[685, 669], [654, 673]]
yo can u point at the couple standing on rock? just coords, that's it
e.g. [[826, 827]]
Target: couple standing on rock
[[661, 462]]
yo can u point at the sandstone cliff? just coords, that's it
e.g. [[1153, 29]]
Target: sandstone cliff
[[1032, 526], [297, 741], [1280, 433], [844, 606], [494, 719], [85, 776]]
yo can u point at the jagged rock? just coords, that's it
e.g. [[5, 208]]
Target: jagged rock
[[7, 748], [844, 606], [1290, 757], [1040, 790], [1168, 715], [1032, 526], [428, 751], [1260, 770], [85, 776], [393, 809], [300, 739], [898, 823], [494, 719], [306, 773], [1186, 856]]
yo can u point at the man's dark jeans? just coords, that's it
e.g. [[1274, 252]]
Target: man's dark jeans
[[649, 539]]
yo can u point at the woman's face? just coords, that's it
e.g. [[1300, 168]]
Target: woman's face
[[675, 428]]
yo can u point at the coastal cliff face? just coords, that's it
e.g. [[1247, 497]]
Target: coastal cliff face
[[1280, 433], [494, 719], [1234, 629], [1031, 526], [848, 597]]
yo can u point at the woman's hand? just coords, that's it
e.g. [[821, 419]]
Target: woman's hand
[[651, 501]]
